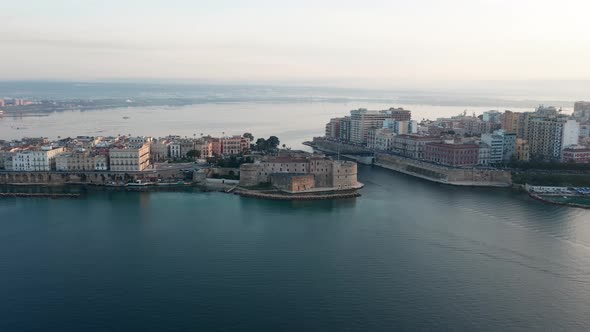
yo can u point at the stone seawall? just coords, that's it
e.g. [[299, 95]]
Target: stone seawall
[[447, 175], [94, 178]]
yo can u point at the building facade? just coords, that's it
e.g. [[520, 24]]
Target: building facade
[[362, 120], [452, 154], [233, 145], [129, 158], [492, 116], [522, 150], [577, 154], [502, 145], [333, 129], [582, 110], [412, 146], [549, 135], [38, 159]]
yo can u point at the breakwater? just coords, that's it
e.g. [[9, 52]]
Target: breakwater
[[549, 201], [295, 197], [39, 195]]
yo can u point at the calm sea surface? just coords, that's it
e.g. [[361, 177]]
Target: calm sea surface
[[407, 255], [293, 123]]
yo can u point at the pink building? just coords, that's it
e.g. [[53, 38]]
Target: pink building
[[575, 155], [233, 145]]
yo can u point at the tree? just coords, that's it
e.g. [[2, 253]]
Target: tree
[[261, 144], [272, 142], [248, 136], [195, 154]]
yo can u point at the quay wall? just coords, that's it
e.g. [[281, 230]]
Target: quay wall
[[84, 177], [447, 175]]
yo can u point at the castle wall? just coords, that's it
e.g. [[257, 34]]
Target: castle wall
[[293, 182], [327, 173], [344, 174], [323, 170]]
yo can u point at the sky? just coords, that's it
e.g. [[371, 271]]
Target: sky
[[366, 43]]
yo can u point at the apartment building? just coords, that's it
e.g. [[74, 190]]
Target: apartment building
[[36, 159], [129, 158]]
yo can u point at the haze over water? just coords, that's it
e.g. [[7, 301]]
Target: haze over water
[[294, 114]]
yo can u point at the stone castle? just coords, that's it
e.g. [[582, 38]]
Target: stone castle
[[300, 172]]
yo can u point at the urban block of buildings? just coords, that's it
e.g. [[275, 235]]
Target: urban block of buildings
[[116, 154], [546, 134]]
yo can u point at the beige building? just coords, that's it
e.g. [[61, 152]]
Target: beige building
[[159, 150], [81, 161], [205, 147], [412, 146], [362, 120], [522, 150], [129, 158], [380, 139]]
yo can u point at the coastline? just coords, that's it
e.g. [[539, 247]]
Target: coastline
[[548, 201], [470, 177], [296, 197]]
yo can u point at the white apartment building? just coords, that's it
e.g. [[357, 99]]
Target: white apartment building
[[41, 159], [502, 145], [174, 150]]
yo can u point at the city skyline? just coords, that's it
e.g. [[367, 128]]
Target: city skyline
[[374, 44]]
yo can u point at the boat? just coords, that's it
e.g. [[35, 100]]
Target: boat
[[139, 183], [115, 184], [179, 183]]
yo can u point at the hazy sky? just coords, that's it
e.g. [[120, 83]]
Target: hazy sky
[[371, 43]]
